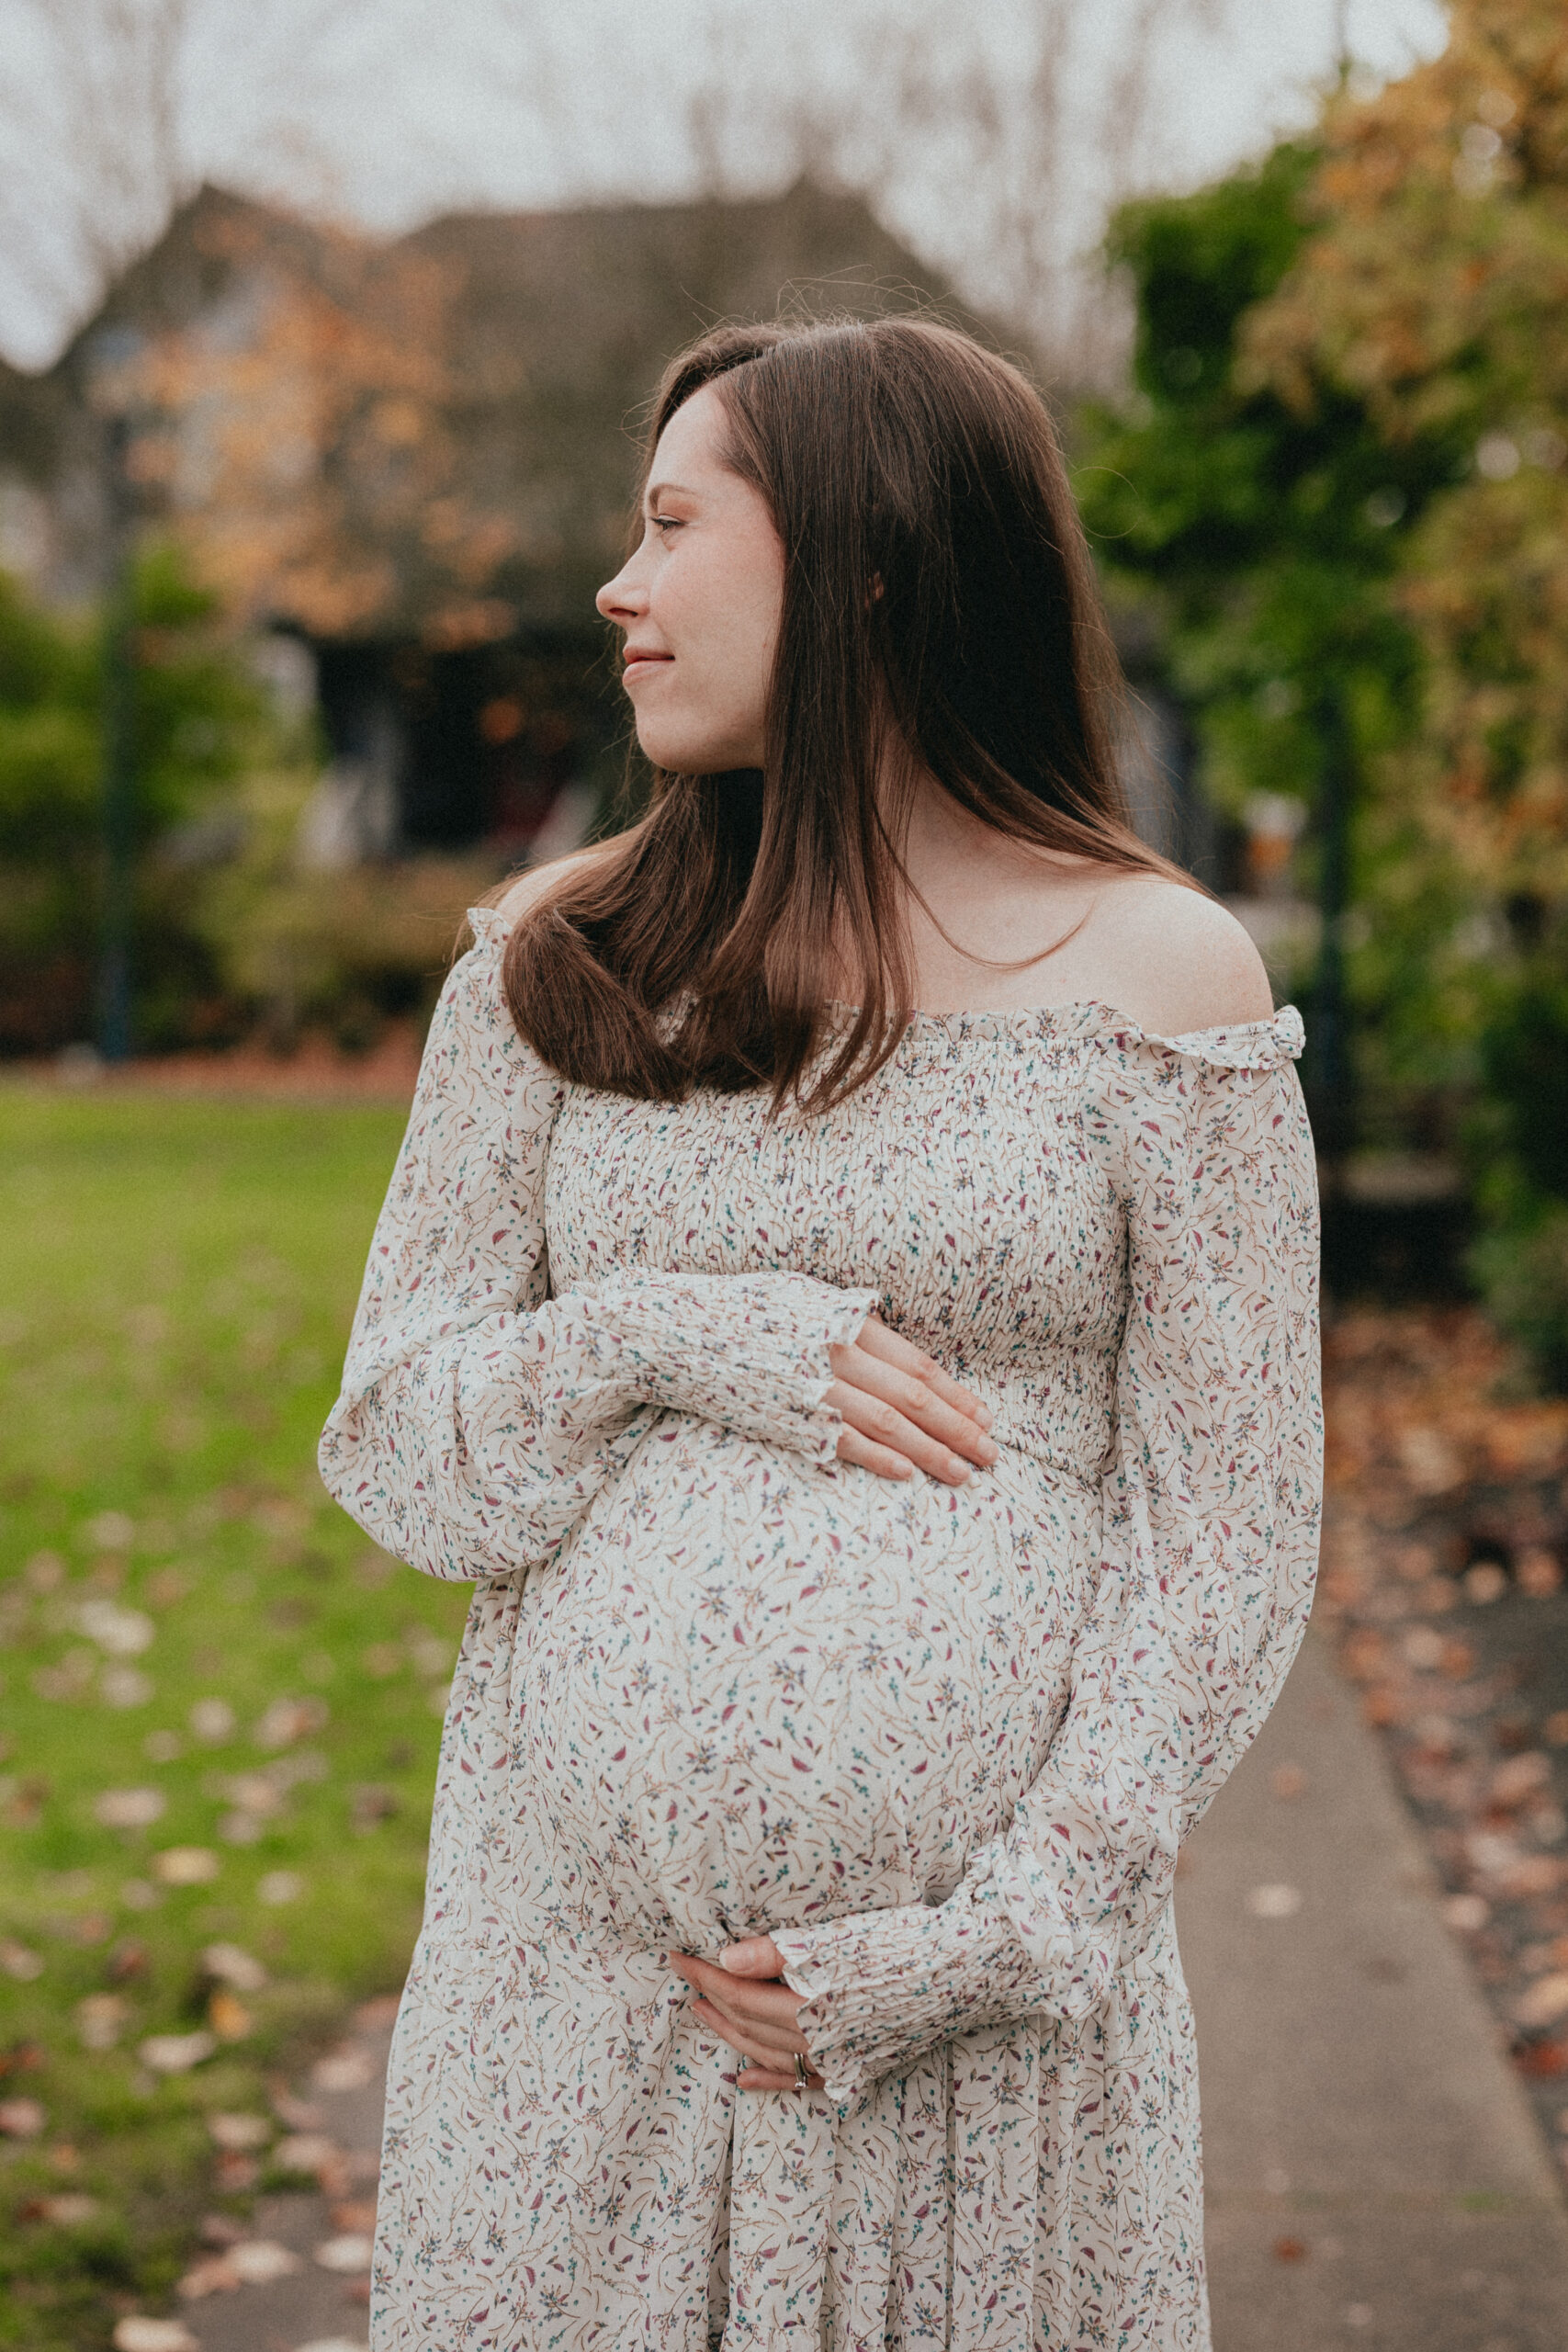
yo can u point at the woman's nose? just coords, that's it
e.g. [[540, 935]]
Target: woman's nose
[[620, 599]]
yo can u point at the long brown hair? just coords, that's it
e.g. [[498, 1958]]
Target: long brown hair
[[692, 949]]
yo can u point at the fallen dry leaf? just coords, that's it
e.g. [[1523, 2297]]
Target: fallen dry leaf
[[212, 1720], [1289, 2250], [18, 1961], [1467, 1912], [119, 1633], [279, 1886], [1363, 1654], [130, 1808], [304, 2151], [185, 1866], [1430, 1462], [233, 1966], [64, 2212], [357, 2216], [215, 2276], [340, 2070], [99, 2020], [175, 2053], [107, 1531], [123, 1686], [1543, 2002], [287, 1720], [260, 2261], [136, 2334], [1486, 1583], [298, 2114], [240, 2130], [346, 2254], [1537, 1573], [1274, 1902], [1521, 1778], [21, 2119], [229, 2018]]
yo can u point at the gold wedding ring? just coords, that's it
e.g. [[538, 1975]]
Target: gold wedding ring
[[802, 2080]]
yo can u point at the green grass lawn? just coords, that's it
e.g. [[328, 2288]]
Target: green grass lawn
[[220, 1703]]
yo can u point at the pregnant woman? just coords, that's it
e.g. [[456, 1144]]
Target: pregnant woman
[[847, 1303]]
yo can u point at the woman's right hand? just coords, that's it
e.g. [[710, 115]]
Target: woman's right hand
[[901, 1412]]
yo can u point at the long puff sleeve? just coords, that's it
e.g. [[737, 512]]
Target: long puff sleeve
[[479, 1416], [1209, 1533]]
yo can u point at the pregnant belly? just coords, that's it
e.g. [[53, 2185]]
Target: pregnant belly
[[758, 1693]]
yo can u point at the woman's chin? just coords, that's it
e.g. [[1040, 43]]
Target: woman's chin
[[679, 755]]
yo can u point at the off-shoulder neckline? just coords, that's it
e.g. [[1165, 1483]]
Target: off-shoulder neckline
[[1091, 1018], [1234, 1044]]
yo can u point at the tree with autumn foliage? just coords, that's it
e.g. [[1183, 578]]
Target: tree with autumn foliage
[[1432, 289], [1263, 532]]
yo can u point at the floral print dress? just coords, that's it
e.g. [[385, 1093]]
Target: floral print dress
[[943, 1744]]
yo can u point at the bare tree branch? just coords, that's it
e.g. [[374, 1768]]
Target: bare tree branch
[[95, 150]]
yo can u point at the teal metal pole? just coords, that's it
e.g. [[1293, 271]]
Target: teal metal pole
[[119, 804]]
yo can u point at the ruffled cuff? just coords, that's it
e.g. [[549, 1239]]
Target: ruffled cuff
[[881, 1988], [748, 1351]]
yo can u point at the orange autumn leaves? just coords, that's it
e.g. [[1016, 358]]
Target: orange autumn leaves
[[1437, 290], [304, 437]]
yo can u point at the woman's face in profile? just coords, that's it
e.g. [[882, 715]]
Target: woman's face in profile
[[700, 603]]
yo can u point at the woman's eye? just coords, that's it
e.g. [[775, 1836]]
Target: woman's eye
[[665, 522]]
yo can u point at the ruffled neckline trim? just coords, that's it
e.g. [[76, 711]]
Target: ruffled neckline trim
[[1246, 1045]]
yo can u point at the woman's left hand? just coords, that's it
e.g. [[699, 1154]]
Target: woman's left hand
[[745, 2002]]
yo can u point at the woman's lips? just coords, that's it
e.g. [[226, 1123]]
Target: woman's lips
[[641, 663]]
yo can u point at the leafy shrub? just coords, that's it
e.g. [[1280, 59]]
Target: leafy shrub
[[342, 951], [199, 720], [1519, 1141]]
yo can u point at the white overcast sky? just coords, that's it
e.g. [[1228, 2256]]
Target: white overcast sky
[[409, 107]]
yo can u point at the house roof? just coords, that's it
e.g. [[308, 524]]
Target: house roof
[[432, 435]]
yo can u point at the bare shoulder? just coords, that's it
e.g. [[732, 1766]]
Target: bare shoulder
[[1174, 959], [537, 882]]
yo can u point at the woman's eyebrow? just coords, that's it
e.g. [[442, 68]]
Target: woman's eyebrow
[[658, 489]]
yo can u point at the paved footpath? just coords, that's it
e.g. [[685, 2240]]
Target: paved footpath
[[1375, 2178]]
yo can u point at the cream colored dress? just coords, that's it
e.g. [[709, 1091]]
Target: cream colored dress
[[943, 1744]]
